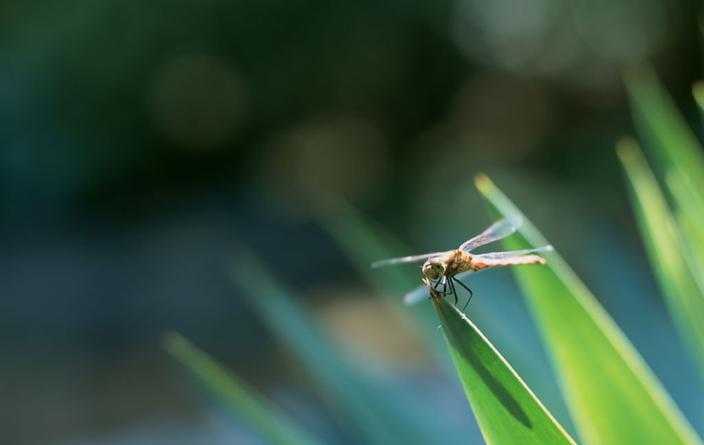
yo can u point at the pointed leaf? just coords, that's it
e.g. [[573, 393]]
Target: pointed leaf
[[672, 141], [613, 396], [249, 406], [683, 292], [364, 243], [679, 157], [506, 409], [365, 407]]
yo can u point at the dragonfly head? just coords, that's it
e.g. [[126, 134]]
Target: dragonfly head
[[433, 269]]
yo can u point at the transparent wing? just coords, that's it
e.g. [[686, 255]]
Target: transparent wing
[[511, 258], [416, 296], [513, 253], [406, 259], [499, 230]]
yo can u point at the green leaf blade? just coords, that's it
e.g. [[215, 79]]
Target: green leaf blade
[[363, 242], [245, 402], [673, 142], [679, 156], [683, 292], [361, 403], [506, 409], [612, 395]]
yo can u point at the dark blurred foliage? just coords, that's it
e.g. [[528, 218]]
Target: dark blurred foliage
[[142, 141]]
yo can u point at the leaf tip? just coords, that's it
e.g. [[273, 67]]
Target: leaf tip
[[698, 92], [627, 149], [638, 75], [483, 183], [173, 341]]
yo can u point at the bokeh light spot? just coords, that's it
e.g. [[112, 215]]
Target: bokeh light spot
[[198, 101], [326, 157]]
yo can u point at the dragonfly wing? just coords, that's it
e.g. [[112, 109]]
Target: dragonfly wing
[[511, 258], [499, 230], [405, 259], [416, 296]]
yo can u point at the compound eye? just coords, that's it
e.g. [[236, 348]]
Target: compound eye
[[435, 271]]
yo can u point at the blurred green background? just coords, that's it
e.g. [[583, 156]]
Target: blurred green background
[[145, 143]]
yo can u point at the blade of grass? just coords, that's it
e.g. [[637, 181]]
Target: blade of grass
[[698, 94], [683, 293], [613, 396], [674, 143], [506, 409], [690, 232], [245, 402], [365, 243], [678, 153], [364, 406]]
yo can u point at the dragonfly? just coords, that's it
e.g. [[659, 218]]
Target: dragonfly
[[441, 272]]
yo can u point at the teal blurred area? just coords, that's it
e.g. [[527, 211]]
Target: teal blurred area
[[143, 143]]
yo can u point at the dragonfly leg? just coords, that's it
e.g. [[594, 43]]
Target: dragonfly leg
[[452, 288], [437, 283], [449, 286], [471, 294]]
